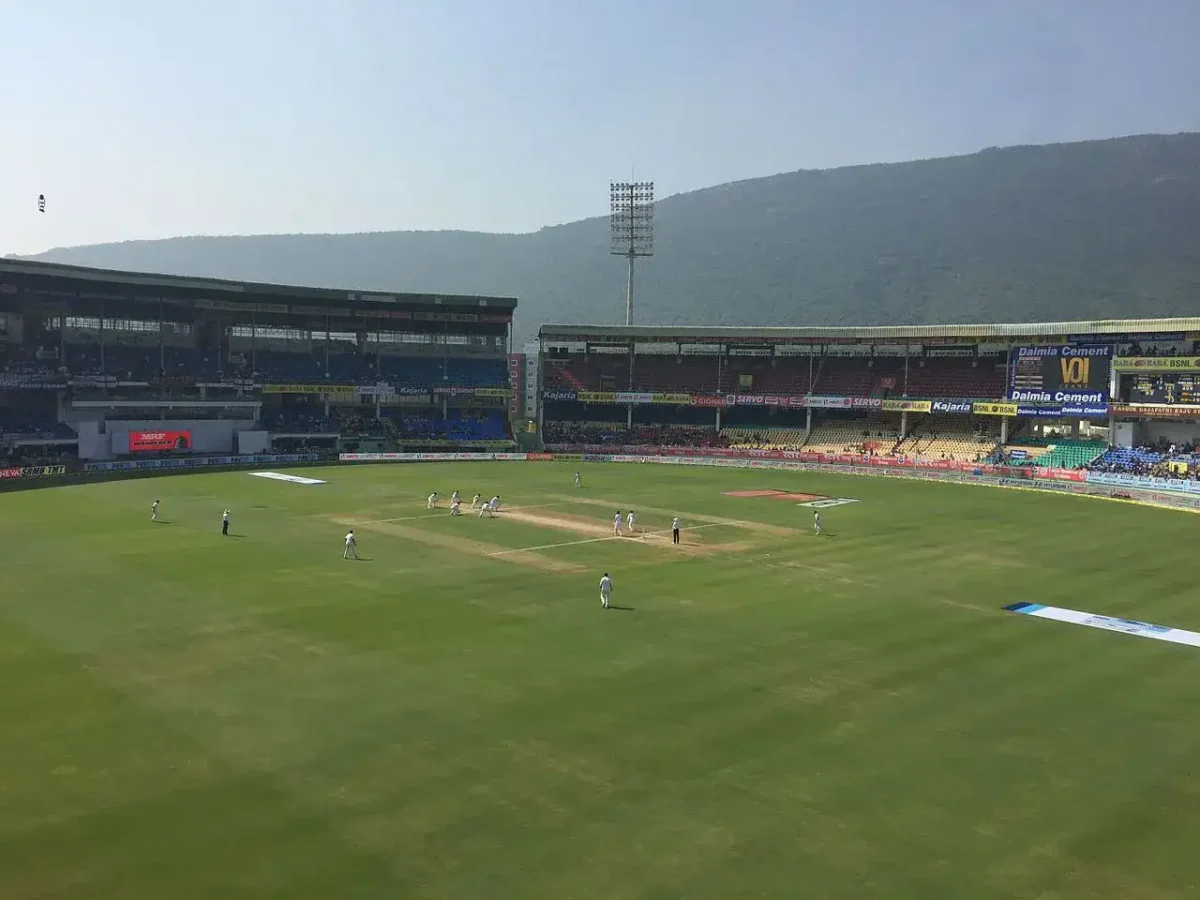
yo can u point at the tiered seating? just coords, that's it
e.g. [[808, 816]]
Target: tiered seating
[[1020, 454], [941, 438], [16, 425], [614, 434], [424, 372], [294, 421], [282, 367], [848, 377], [765, 438], [862, 436], [352, 422], [954, 378], [1068, 454], [683, 374], [489, 425], [1128, 460]]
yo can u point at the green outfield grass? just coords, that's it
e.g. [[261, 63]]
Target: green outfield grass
[[777, 715]]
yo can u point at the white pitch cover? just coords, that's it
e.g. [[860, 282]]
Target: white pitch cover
[[291, 479], [1108, 623]]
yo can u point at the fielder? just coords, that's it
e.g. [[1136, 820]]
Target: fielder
[[817, 523], [605, 591], [617, 524], [456, 507], [454, 498], [491, 507], [632, 520], [432, 503], [154, 511], [474, 501], [351, 546], [578, 480]]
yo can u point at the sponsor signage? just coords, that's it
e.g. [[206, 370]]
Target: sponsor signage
[[10, 472], [1086, 410], [711, 402], [1040, 412], [636, 398], [829, 402], [283, 476], [199, 462], [405, 399], [994, 409], [446, 391], [958, 407], [1108, 623], [41, 471], [150, 441], [1144, 483], [597, 397], [32, 381], [1072, 373], [1138, 411], [1157, 364], [919, 406], [559, 396], [310, 389]]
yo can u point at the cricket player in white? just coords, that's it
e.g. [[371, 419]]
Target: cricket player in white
[[675, 530], [495, 504], [432, 501], [225, 522], [817, 523], [351, 546], [632, 520], [456, 507], [617, 524], [454, 498], [474, 501], [578, 480], [154, 511], [605, 591]]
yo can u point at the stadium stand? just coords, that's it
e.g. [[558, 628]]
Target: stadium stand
[[1069, 454], [206, 360]]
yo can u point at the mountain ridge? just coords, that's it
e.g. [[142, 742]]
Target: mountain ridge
[[1095, 229]]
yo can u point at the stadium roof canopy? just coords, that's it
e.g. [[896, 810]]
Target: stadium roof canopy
[[249, 291], [891, 333]]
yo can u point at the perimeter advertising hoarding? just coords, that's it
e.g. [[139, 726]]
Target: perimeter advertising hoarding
[[1157, 364], [1076, 374], [157, 441]]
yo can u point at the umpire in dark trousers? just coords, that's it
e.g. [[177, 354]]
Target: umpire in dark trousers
[[225, 522]]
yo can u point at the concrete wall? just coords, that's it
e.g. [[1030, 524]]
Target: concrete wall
[[208, 435]]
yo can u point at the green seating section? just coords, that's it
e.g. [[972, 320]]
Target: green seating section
[[1071, 454]]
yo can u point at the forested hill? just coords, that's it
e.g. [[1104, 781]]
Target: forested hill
[[1087, 230]]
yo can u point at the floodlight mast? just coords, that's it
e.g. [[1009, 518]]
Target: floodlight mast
[[631, 223]]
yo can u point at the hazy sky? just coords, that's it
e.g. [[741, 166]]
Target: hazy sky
[[153, 118]]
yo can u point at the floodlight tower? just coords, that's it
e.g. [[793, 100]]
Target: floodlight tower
[[631, 221]]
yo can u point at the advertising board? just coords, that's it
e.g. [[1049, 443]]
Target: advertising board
[[151, 441], [1068, 373]]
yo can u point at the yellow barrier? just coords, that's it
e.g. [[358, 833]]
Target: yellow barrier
[[994, 409]]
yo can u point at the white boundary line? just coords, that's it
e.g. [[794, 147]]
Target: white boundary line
[[614, 537]]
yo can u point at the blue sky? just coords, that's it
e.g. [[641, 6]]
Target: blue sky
[[143, 119]]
